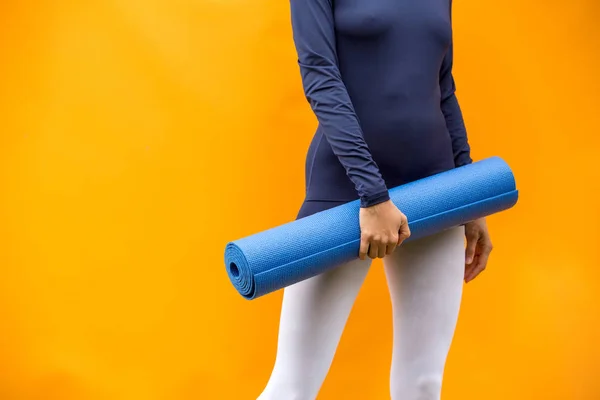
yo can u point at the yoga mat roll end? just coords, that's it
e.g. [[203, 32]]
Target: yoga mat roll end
[[239, 271]]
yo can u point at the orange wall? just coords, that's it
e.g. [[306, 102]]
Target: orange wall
[[137, 137]]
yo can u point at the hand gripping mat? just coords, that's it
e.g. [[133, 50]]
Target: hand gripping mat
[[281, 256]]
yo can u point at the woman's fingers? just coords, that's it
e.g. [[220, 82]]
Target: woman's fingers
[[479, 247], [373, 249], [470, 268], [392, 244], [475, 270], [472, 239], [382, 245], [404, 232], [383, 228], [375, 246], [378, 247], [480, 261], [364, 247], [371, 246]]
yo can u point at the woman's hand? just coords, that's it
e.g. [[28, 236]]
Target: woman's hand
[[478, 250], [382, 228]]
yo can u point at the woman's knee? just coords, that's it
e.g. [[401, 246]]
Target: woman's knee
[[429, 387], [421, 387]]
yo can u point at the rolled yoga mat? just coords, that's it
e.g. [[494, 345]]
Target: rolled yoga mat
[[273, 259]]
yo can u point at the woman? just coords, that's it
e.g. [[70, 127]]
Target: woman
[[378, 76]]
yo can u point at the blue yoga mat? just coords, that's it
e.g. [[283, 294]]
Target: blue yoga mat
[[273, 259]]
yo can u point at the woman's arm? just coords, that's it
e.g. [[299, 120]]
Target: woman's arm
[[479, 244], [453, 113], [314, 38]]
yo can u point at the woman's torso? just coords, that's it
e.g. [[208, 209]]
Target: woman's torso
[[389, 53]]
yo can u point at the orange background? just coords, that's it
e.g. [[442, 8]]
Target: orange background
[[138, 137]]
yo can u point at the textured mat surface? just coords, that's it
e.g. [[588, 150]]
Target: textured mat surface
[[281, 256]]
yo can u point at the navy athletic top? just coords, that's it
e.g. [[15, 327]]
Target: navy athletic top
[[378, 76]]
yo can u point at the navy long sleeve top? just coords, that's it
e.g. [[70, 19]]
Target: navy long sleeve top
[[378, 76]]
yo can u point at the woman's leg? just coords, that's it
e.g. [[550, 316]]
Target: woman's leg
[[313, 315], [425, 280]]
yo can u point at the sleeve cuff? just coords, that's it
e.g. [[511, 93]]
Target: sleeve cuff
[[371, 200]]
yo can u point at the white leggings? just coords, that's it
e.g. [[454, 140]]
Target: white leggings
[[425, 280]]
